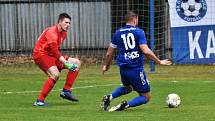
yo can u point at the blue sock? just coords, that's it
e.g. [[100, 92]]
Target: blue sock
[[138, 101], [119, 91]]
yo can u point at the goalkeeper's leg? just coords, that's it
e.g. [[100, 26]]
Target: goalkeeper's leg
[[49, 84], [72, 75], [70, 79]]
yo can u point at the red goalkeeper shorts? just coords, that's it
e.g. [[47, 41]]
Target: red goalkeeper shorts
[[45, 62]]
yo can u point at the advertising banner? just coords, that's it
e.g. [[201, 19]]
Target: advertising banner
[[193, 29]]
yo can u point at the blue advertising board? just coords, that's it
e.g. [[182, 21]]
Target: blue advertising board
[[193, 27]]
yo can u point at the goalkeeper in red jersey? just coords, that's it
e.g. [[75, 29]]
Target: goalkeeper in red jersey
[[47, 56]]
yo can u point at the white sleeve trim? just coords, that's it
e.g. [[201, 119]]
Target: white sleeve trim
[[113, 45]]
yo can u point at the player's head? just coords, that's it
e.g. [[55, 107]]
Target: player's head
[[131, 18], [64, 21]]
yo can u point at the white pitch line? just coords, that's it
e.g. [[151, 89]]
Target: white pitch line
[[24, 92]]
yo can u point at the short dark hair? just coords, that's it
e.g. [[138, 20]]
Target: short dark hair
[[63, 16], [130, 15]]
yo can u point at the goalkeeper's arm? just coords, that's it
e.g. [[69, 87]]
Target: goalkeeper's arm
[[56, 53], [68, 65]]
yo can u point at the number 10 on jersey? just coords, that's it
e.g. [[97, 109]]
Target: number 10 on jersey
[[129, 41]]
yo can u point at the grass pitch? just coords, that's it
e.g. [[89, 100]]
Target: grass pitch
[[20, 86]]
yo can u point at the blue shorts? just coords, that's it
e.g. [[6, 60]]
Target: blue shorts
[[135, 77]]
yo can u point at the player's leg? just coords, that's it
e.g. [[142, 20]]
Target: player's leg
[[143, 98], [72, 75], [53, 74], [125, 89], [52, 71], [70, 79], [139, 84], [116, 93], [120, 91]]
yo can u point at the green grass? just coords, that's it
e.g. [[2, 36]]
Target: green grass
[[194, 84]]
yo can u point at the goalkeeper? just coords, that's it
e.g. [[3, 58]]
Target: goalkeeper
[[47, 56]]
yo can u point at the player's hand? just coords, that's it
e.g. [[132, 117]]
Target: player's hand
[[71, 66], [104, 68], [165, 62]]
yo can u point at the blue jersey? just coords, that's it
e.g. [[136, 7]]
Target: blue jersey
[[127, 40]]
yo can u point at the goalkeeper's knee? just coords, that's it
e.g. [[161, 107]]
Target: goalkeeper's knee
[[55, 76]]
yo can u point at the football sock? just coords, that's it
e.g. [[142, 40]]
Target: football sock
[[70, 79], [137, 101], [119, 91], [47, 87]]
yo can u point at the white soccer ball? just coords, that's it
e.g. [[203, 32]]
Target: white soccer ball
[[173, 100], [191, 8]]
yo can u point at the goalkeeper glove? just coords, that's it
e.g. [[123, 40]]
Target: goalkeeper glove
[[71, 66]]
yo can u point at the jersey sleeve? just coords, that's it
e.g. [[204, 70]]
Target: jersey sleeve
[[113, 43], [142, 37], [52, 42]]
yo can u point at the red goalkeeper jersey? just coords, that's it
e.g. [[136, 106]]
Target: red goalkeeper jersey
[[49, 43]]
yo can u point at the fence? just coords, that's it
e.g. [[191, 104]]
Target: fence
[[93, 22]]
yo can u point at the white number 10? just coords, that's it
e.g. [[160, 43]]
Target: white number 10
[[129, 41]]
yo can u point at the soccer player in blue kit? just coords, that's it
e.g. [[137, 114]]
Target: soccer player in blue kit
[[132, 46]]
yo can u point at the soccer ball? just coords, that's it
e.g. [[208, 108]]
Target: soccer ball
[[173, 100], [191, 8]]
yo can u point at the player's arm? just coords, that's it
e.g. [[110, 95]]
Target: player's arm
[[52, 42], [58, 55], [108, 58], [149, 54]]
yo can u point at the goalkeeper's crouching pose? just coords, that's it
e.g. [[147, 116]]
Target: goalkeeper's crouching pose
[[47, 56]]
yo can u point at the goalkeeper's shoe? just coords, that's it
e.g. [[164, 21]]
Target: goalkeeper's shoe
[[39, 103], [67, 94], [122, 106], [105, 102]]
